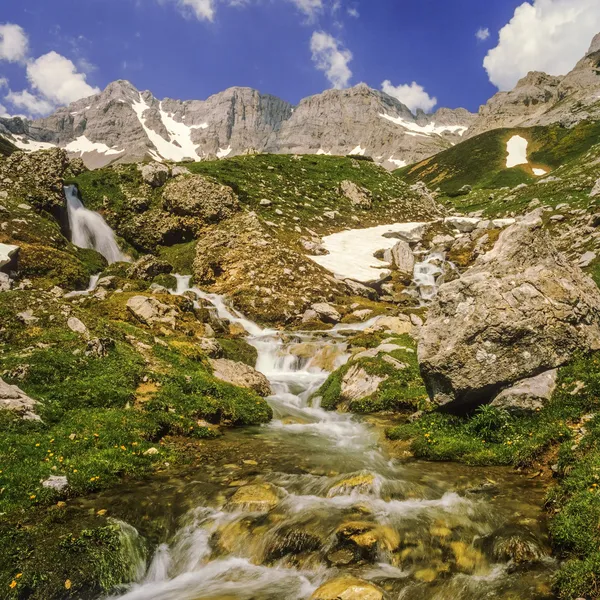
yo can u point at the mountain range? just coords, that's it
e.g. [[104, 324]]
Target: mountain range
[[122, 124]]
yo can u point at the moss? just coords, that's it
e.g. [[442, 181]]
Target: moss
[[239, 350], [181, 256], [166, 280], [66, 555]]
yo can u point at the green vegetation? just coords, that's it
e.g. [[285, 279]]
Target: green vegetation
[[481, 161], [6, 147], [403, 387], [493, 437]]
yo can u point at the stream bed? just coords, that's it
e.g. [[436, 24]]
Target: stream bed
[[273, 512]]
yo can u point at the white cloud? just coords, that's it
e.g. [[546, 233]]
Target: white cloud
[[3, 112], [311, 8], [3, 82], [483, 33], [33, 105], [14, 43], [332, 58], [353, 12], [204, 10], [548, 35], [413, 96], [57, 80]]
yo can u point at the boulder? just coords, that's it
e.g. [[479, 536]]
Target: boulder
[[5, 282], [402, 257], [326, 312], [528, 395], [150, 311], [196, 196], [210, 347], [522, 309], [154, 174], [260, 497], [56, 482], [357, 383], [242, 375], [347, 587], [397, 325], [8, 255], [16, 400], [595, 190], [77, 326], [358, 196], [358, 289], [147, 268], [462, 224]]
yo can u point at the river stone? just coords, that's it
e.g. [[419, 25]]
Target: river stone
[[240, 374], [194, 195], [357, 383], [154, 174], [326, 312], [523, 308], [363, 483], [528, 395], [347, 587], [259, 497], [358, 196], [16, 400]]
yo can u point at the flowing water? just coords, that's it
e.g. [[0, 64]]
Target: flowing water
[[272, 512], [90, 230], [330, 501]]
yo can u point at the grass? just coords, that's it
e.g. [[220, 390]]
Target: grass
[[6, 147], [492, 437]]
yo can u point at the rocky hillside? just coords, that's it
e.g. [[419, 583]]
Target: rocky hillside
[[541, 99], [122, 125]]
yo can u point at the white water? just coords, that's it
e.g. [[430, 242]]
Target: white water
[[396, 496], [426, 276], [90, 230]]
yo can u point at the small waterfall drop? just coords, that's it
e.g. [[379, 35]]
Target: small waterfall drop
[[90, 230]]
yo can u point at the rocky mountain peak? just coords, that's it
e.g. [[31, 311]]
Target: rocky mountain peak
[[595, 46]]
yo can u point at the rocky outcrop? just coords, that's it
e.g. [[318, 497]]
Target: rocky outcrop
[[528, 395], [8, 255], [148, 267], [359, 196], [154, 174], [240, 374], [522, 309], [17, 401], [151, 311], [357, 383], [197, 196]]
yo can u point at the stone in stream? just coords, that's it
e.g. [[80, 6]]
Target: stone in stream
[[522, 309], [363, 483], [357, 383], [347, 587], [326, 312], [402, 257], [259, 497], [241, 374]]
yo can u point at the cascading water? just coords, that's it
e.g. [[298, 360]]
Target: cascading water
[[90, 230], [342, 506], [426, 275]]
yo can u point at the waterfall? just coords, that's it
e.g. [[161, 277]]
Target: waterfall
[[90, 230]]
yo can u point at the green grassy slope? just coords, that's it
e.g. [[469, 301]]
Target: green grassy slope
[[481, 161], [6, 147]]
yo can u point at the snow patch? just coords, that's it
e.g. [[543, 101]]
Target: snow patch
[[539, 172], [201, 126], [351, 252], [397, 162], [82, 145], [223, 153], [179, 146], [517, 151], [358, 151], [430, 129], [322, 152], [23, 143]]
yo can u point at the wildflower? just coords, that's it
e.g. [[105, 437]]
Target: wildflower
[[12, 584]]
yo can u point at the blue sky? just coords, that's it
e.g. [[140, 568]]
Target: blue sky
[[290, 48]]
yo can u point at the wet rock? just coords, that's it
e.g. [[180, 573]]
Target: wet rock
[[467, 558], [363, 483], [147, 268], [8, 254], [357, 195], [242, 375], [154, 174], [259, 497], [521, 309], [397, 325], [326, 312], [16, 400], [291, 540], [341, 557], [197, 196], [347, 587], [358, 384], [528, 395], [402, 258]]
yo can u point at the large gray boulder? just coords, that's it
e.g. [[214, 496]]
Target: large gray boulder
[[194, 195], [522, 309], [240, 374], [358, 196]]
